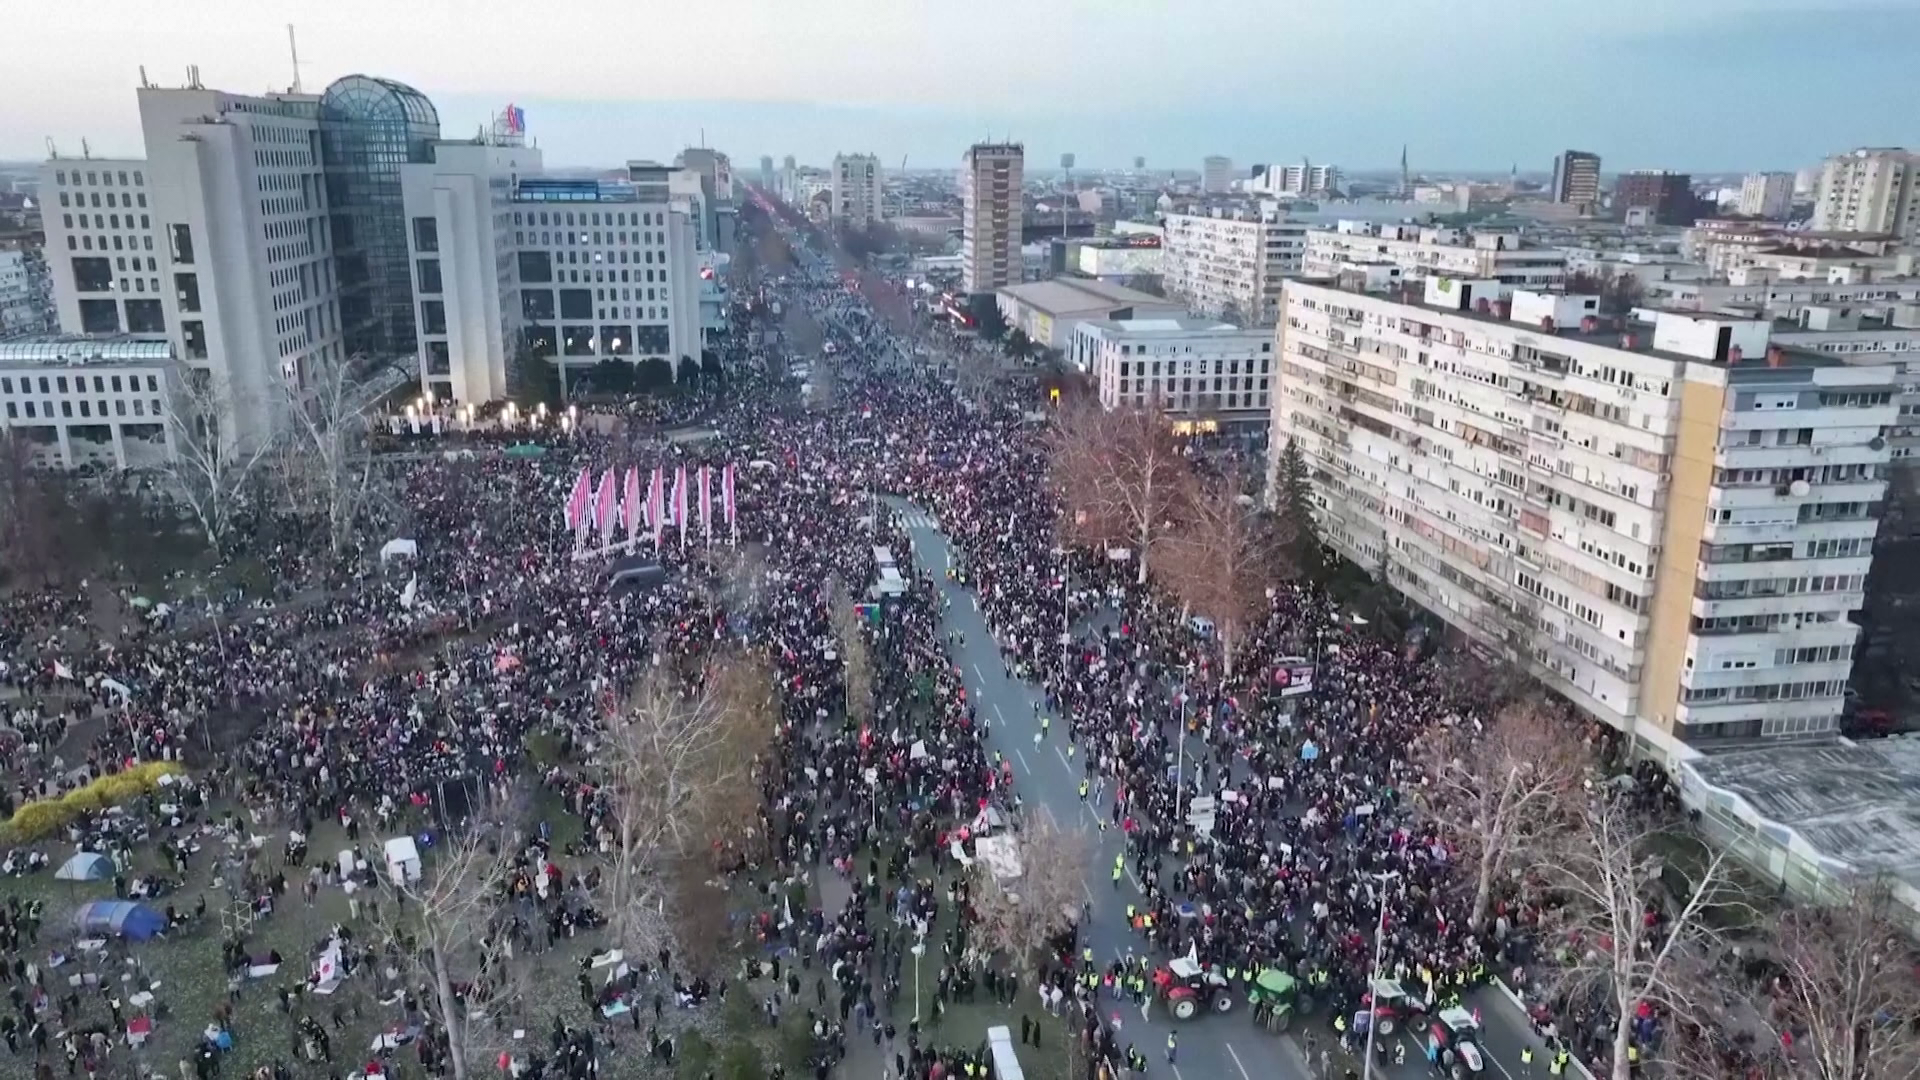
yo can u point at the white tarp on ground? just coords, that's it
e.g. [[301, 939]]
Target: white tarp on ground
[[395, 549], [1002, 856]]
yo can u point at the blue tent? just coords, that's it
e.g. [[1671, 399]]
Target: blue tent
[[86, 866], [135, 922]]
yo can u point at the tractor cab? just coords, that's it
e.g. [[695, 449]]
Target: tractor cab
[[1454, 1034], [1394, 1006], [1189, 987], [1273, 998]]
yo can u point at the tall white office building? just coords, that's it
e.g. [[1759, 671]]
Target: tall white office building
[[1767, 195], [1870, 190], [856, 190], [1216, 175], [571, 272], [217, 242], [991, 216]]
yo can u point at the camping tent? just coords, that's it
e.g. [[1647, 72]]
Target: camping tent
[[136, 922], [86, 866]]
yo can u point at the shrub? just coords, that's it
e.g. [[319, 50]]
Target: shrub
[[39, 820]]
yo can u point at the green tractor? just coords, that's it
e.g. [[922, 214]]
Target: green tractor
[[1275, 997]]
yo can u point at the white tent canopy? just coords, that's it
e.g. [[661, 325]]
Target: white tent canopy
[[399, 548]]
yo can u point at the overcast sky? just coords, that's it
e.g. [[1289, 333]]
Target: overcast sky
[[1685, 84]]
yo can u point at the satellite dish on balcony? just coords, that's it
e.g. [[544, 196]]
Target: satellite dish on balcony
[[1801, 488], [1876, 443]]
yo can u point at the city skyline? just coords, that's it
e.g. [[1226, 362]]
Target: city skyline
[[899, 79]]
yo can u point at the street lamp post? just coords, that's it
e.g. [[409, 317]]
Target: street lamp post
[[1373, 976], [919, 949]]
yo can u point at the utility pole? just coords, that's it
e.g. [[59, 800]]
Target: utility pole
[[1373, 974]]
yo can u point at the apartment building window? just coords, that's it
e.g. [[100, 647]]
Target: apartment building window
[[426, 234]]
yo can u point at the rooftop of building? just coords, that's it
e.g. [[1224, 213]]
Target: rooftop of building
[[1627, 333], [67, 350], [1852, 804], [1078, 294], [1171, 325], [550, 190]]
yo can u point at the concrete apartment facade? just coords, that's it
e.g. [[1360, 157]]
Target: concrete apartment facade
[[857, 186], [991, 216], [1231, 267], [1421, 251], [1870, 190], [1669, 522]]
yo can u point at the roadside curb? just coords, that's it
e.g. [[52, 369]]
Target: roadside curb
[[1501, 985]]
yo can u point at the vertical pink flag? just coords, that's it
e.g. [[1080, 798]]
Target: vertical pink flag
[[632, 507], [680, 502], [577, 501], [607, 506], [706, 504], [727, 505], [657, 504]]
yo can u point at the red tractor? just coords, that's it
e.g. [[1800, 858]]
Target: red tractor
[[1189, 987]]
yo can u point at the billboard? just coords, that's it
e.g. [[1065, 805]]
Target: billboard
[[1293, 676]]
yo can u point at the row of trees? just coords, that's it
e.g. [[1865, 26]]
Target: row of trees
[[1633, 920], [1126, 482]]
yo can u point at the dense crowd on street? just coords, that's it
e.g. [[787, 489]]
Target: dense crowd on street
[[373, 697]]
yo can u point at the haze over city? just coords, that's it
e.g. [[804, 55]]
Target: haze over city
[[1706, 85]]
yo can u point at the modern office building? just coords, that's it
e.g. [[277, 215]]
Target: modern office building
[[715, 170], [1216, 175], [856, 190], [1667, 197], [369, 129], [1870, 190], [77, 400], [1767, 195], [992, 216], [1669, 522], [789, 180], [1576, 179], [1205, 374], [1230, 266], [1411, 252], [766, 171], [512, 263], [218, 242]]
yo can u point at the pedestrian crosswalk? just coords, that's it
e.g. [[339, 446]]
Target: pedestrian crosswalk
[[916, 519]]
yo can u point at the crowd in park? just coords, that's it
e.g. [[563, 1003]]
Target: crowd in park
[[428, 697]]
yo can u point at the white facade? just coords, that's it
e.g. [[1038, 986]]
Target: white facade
[[1787, 299], [1216, 175], [1118, 262], [89, 401], [1189, 367], [1432, 250], [571, 272], [1670, 523], [1231, 267], [1299, 180], [1767, 195], [857, 186], [1870, 190], [460, 237], [992, 216]]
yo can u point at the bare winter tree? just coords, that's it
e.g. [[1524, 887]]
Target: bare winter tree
[[209, 469], [1630, 940], [447, 930], [1500, 789], [1224, 558], [856, 655], [680, 771], [1848, 994], [328, 463], [1018, 916], [1120, 476]]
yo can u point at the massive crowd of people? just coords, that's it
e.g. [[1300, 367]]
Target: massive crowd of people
[[333, 699]]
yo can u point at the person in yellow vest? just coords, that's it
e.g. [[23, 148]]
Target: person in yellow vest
[[1633, 1056], [1558, 1065], [1526, 1061], [1119, 868], [1083, 791]]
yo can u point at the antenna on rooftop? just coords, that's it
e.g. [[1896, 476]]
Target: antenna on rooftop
[[144, 84], [293, 47], [85, 150], [52, 150]]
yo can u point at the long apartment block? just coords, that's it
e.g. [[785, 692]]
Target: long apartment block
[[1668, 517]]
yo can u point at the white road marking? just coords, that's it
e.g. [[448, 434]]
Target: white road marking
[[983, 679], [998, 713], [1025, 768], [1236, 1061], [1064, 763], [1048, 810]]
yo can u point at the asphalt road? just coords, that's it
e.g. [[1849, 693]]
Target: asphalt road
[[1048, 782]]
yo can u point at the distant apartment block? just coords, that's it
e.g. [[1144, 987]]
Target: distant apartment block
[[1410, 252], [1230, 266], [991, 216], [1767, 195], [1870, 191], [856, 189], [1576, 179]]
